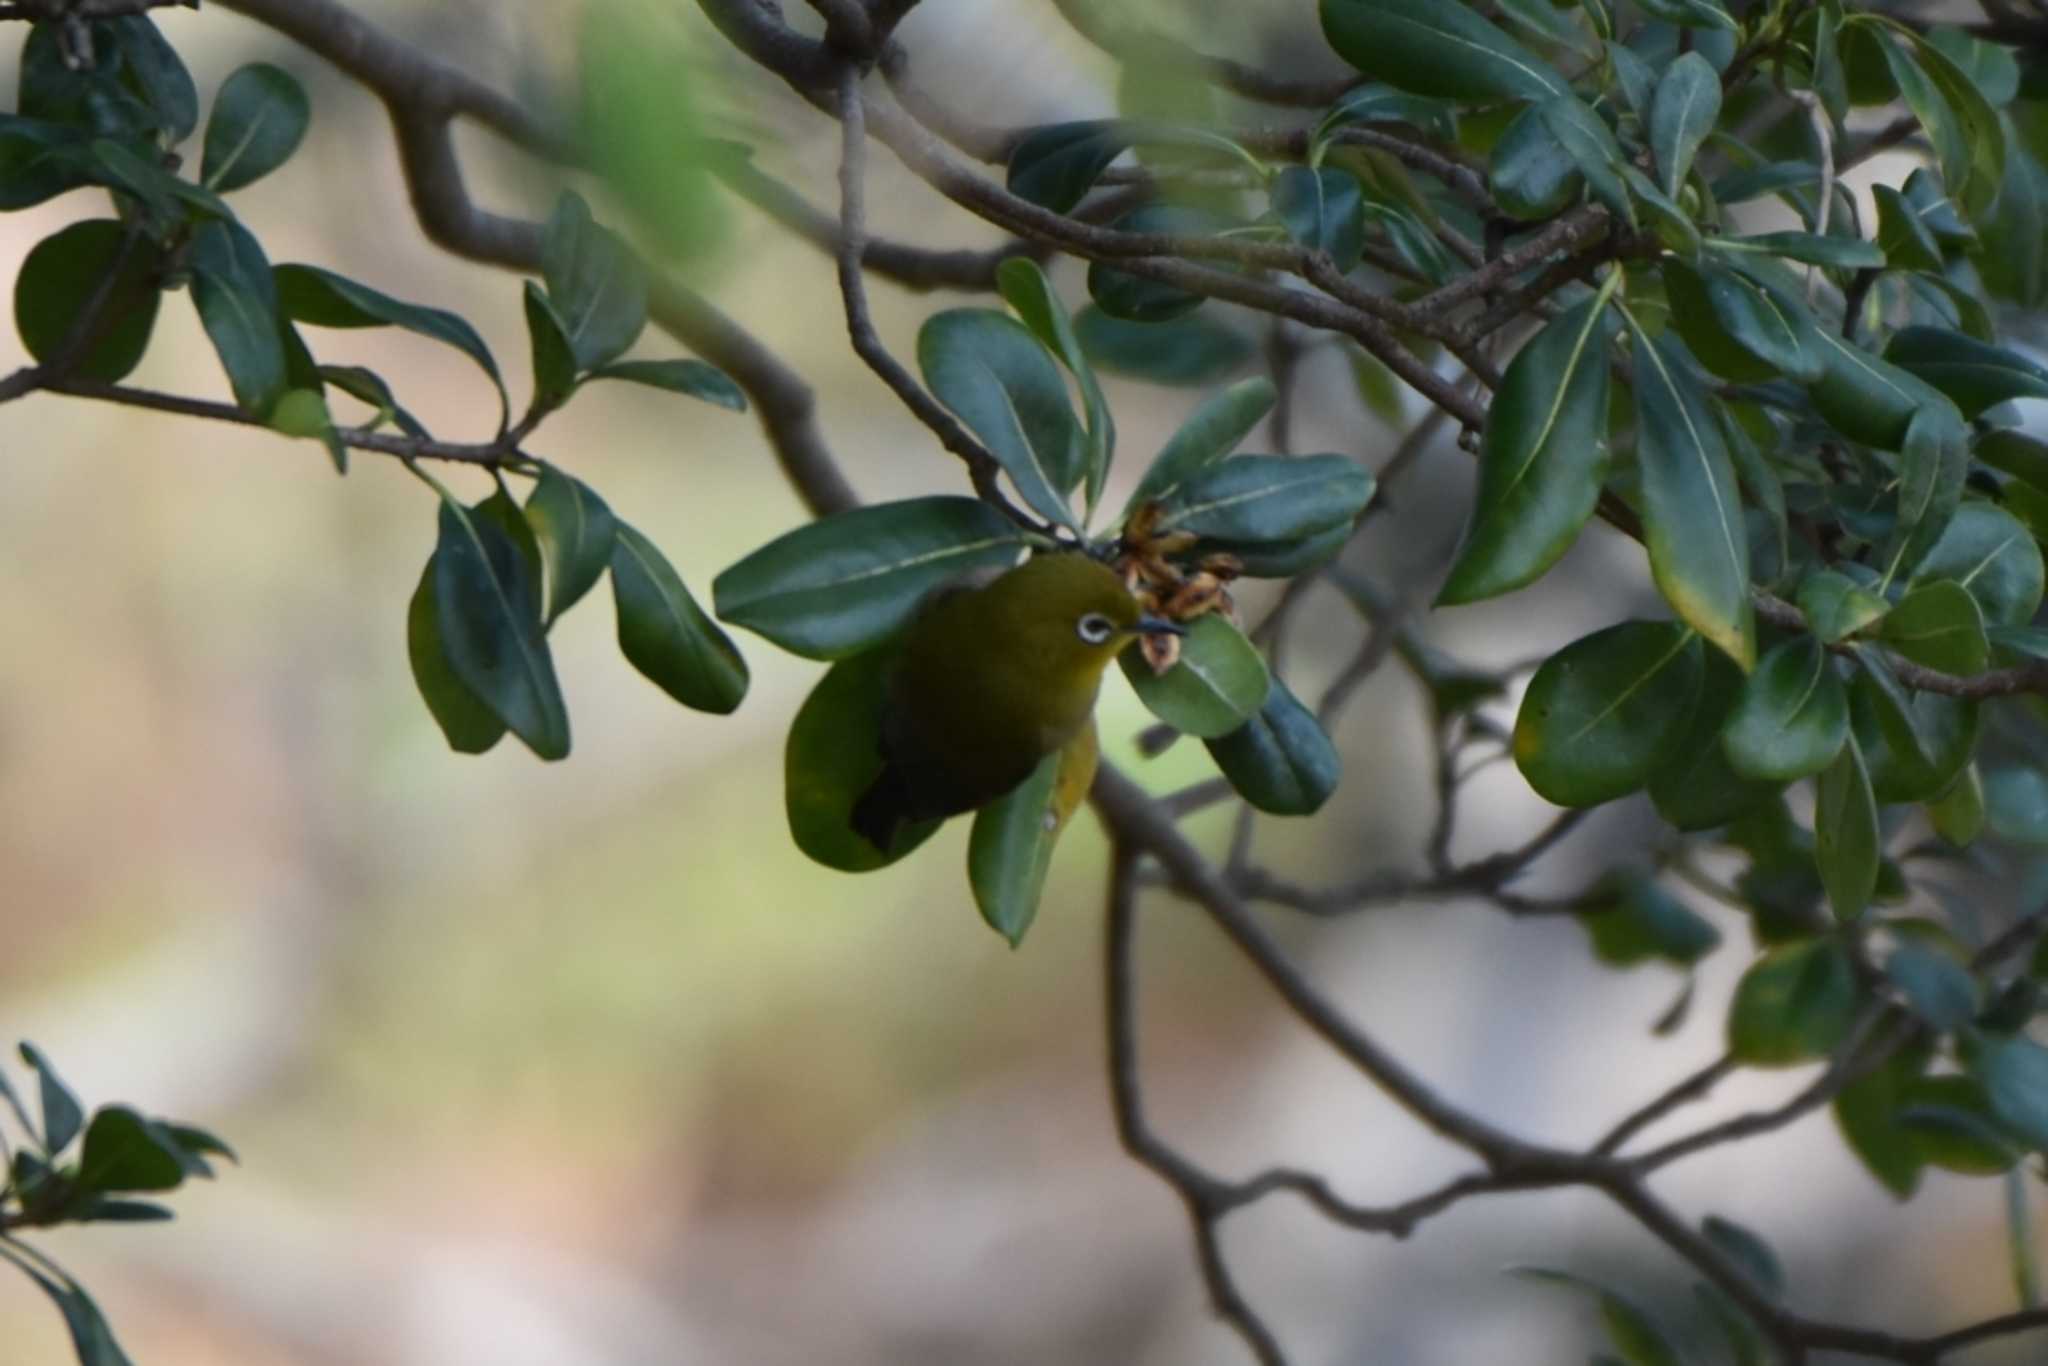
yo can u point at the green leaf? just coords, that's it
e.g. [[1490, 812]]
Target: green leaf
[[62, 1115], [1692, 517], [841, 586], [95, 97], [62, 277], [1695, 788], [91, 1339], [1989, 66], [1548, 24], [1280, 761], [594, 283], [1836, 253], [1591, 145], [999, 381], [312, 295], [1282, 559], [1792, 716], [1976, 179], [1944, 129], [1383, 104], [1913, 746], [1905, 240], [1793, 1005], [1934, 461], [1684, 110], [259, 116], [575, 530], [1009, 851], [1674, 227], [1192, 351], [1139, 298], [833, 754], [1269, 497], [1973, 373], [1951, 1123], [1633, 920], [1958, 815], [469, 725], [1940, 990], [487, 597], [1867, 399], [1056, 165], [1991, 555], [1219, 684], [1436, 47], [1210, 433], [1866, 1111], [694, 378], [1847, 844], [1025, 288], [1939, 625], [1638, 1337], [1542, 460], [1748, 1251], [38, 161], [1323, 210], [1707, 14], [125, 1152], [665, 635], [554, 363], [1600, 715], [1531, 174], [1836, 606], [1774, 328], [238, 305], [2014, 1070]]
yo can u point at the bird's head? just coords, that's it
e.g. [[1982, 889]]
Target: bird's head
[[1071, 613]]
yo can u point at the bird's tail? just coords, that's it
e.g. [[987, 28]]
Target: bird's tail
[[883, 810]]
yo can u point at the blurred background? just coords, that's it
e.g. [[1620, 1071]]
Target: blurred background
[[583, 1063]]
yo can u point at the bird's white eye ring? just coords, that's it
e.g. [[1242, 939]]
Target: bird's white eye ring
[[1094, 628]]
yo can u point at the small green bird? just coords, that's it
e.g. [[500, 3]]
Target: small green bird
[[993, 676]]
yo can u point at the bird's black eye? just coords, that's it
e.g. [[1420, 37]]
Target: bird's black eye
[[1094, 628]]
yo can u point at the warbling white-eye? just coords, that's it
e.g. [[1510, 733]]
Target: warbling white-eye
[[993, 676]]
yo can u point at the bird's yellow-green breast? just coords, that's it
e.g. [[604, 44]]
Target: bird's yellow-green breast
[[989, 680]]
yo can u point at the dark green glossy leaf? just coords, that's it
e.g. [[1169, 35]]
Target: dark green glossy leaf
[[1009, 849], [1189, 351], [594, 282], [1966, 127], [1951, 1123], [1217, 687], [1025, 288], [1847, 843], [1958, 815], [1940, 990], [1836, 253], [38, 161], [1270, 497], [2018, 802], [1793, 1005], [1774, 328], [469, 725], [1684, 110], [1867, 399], [1934, 461], [695, 378], [1591, 145], [999, 381], [554, 362], [1056, 165], [96, 98], [1905, 240], [125, 1152], [1695, 788], [1600, 716], [1992, 556], [1939, 625], [1973, 373], [665, 635], [91, 1339], [1634, 920], [487, 595], [1436, 47], [575, 530], [1692, 517], [1139, 298], [833, 754], [1547, 23], [310, 294], [1697, 14], [1866, 1111], [1209, 434], [62, 1114], [1914, 745], [259, 116], [841, 586], [1280, 761], [1791, 717], [1543, 457], [1673, 226], [1383, 104], [238, 305], [1836, 606], [63, 276], [1323, 210], [1531, 174], [1282, 559]]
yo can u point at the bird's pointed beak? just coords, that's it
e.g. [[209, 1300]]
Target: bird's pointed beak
[[1149, 625]]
